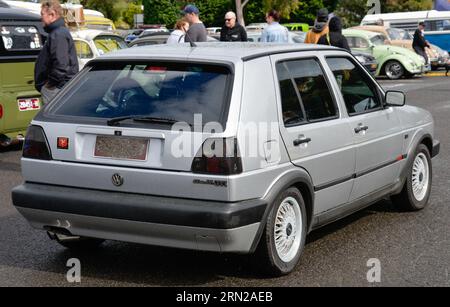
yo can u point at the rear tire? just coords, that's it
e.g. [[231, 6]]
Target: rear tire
[[416, 192], [394, 70], [284, 237]]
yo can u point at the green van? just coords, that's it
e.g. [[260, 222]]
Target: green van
[[22, 37]]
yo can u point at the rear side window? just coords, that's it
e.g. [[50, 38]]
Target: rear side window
[[175, 91], [306, 96], [21, 38]]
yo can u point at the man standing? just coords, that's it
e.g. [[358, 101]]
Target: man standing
[[197, 31], [335, 37], [274, 32], [419, 43], [232, 31], [320, 27], [57, 63]]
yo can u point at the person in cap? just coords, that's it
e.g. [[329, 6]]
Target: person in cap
[[335, 37], [197, 31], [320, 27], [419, 42], [274, 32], [232, 31]]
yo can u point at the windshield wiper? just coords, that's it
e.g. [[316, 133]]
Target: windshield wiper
[[140, 118]]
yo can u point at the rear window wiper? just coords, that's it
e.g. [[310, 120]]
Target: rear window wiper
[[140, 118]]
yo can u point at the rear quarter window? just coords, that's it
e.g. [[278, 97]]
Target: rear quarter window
[[20, 38]]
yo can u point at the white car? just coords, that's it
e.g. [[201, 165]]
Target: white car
[[94, 43]]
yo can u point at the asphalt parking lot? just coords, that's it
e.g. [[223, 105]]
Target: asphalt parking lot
[[413, 248]]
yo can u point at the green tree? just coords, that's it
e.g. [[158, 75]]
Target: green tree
[[107, 7], [306, 12], [130, 11]]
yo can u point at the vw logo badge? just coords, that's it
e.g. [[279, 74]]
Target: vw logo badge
[[117, 180]]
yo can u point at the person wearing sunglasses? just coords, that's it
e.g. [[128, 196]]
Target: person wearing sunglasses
[[232, 31]]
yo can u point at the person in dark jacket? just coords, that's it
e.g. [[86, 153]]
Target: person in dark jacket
[[232, 31], [57, 62], [334, 37], [419, 42]]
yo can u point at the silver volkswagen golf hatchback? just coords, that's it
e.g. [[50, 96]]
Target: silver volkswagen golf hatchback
[[231, 148]]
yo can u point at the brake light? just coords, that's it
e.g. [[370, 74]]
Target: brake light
[[218, 157], [1, 111], [36, 145]]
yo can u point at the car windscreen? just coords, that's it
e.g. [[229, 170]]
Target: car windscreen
[[106, 44], [378, 40], [21, 38], [173, 90]]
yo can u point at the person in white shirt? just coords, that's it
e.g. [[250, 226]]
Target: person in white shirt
[[179, 34]]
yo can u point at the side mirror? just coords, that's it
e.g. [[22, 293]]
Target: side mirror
[[395, 99]]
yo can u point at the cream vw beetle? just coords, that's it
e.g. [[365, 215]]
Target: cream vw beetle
[[102, 160]]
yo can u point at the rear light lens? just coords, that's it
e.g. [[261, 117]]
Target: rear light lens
[[1, 111], [218, 157], [36, 145]]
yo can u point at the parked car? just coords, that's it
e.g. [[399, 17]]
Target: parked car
[[99, 23], [151, 31], [402, 38], [157, 38], [213, 30], [256, 26], [22, 38], [368, 61], [104, 161], [294, 37], [393, 62], [93, 43], [300, 27], [132, 35]]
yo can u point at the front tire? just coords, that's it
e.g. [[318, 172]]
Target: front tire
[[416, 192], [394, 70], [284, 237]]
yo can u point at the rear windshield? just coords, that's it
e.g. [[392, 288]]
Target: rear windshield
[[175, 91], [107, 44], [20, 38]]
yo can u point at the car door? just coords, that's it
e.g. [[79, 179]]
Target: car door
[[84, 52], [316, 137], [376, 130]]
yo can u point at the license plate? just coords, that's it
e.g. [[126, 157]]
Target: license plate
[[29, 104], [121, 148]]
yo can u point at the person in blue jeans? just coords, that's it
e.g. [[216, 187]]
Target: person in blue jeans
[[274, 32]]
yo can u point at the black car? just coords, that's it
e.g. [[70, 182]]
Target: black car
[[368, 61]]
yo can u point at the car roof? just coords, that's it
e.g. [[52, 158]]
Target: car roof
[[15, 14], [90, 34], [378, 29], [230, 52], [364, 33]]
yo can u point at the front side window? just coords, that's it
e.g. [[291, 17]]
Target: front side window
[[378, 40], [361, 43], [358, 91], [175, 91], [311, 91]]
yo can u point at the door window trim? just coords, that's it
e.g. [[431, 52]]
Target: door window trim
[[300, 101]]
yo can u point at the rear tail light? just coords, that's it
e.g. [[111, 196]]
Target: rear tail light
[[218, 157], [1, 111], [36, 145]]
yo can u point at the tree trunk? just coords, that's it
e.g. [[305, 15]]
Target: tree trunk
[[240, 11]]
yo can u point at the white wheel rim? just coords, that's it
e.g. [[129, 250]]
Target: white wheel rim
[[288, 229], [420, 177]]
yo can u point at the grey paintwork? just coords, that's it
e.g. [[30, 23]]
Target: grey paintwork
[[336, 153]]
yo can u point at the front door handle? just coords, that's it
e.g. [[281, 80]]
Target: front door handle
[[301, 141], [361, 128]]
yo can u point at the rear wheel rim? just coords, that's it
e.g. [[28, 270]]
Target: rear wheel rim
[[394, 70], [288, 229], [420, 177]]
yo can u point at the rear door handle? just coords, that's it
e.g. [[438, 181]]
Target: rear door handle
[[361, 128], [301, 141]]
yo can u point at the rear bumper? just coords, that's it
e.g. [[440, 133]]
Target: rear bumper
[[171, 222]]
